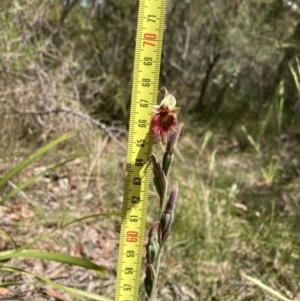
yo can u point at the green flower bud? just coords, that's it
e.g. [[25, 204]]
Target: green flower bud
[[167, 216], [157, 184], [156, 166], [159, 178], [166, 222], [167, 160], [152, 251], [148, 282], [172, 199], [153, 247], [173, 138]]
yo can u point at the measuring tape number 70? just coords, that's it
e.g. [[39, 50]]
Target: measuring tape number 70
[[147, 59]]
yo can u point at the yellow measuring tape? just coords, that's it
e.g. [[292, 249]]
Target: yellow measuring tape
[[148, 51]]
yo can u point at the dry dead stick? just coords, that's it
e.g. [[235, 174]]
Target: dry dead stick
[[58, 110]]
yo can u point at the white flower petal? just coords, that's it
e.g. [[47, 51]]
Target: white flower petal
[[155, 108], [169, 101], [175, 110]]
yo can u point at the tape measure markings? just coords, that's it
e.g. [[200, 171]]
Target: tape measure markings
[[144, 93]]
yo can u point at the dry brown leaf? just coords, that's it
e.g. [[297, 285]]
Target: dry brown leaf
[[3, 291], [240, 206], [13, 216], [56, 295]]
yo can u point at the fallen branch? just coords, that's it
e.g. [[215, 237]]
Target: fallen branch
[[107, 129]]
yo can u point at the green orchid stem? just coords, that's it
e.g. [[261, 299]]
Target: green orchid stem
[[164, 201], [157, 263], [154, 285]]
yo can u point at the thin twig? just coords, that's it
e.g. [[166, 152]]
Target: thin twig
[[21, 192], [57, 110]]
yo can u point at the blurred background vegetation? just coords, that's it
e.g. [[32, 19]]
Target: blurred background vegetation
[[224, 60], [233, 66]]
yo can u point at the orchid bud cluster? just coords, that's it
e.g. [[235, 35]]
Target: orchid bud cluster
[[166, 130]]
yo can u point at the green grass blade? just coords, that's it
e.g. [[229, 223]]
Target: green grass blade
[[59, 257], [265, 287], [298, 64], [76, 292], [8, 284], [82, 295], [207, 138], [33, 158], [38, 238], [107, 214], [280, 107], [3, 233], [296, 79], [33, 179], [251, 140]]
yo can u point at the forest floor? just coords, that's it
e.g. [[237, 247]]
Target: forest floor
[[238, 213]]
